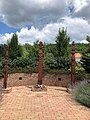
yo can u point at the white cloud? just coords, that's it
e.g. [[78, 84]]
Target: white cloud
[[77, 30], [46, 17], [83, 9], [84, 41], [37, 12], [5, 37], [79, 4]]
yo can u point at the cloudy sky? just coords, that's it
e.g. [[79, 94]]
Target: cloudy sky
[[41, 19]]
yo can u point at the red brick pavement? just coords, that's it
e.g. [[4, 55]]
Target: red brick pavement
[[55, 104]]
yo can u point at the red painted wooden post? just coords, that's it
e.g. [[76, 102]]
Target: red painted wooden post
[[73, 64], [40, 64], [6, 69]]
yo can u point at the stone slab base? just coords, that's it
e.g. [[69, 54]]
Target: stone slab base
[[7, 90], [38, 87], [70, 88]]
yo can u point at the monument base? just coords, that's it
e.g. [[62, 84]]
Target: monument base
[[70, 88], [38, 87], [7, 90]]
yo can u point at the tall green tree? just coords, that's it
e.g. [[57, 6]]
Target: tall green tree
[[14, 48], [85, 61], [2, 51], [62, 45]]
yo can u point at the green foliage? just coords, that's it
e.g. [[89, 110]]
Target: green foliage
[[23, 62], [24, 52], [88, 39], [55, 56], [82, 94], [2, 63], [1, 73], [2, 51], [62, 44], [80, 75], [56, 71], [81, 47], [87, 76], [78, 67], [49, 61], [34, 49], [50, 48], [14, 48], [23, 70], [63, 63], [85, 61]]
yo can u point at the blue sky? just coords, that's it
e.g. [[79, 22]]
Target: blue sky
[[6, 29], [35, 20]]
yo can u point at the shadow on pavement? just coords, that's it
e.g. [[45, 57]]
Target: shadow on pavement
[[61, 89]]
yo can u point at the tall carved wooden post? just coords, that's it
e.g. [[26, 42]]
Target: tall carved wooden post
[[39, 86], [40, 64], [73, 64], [6, 69]]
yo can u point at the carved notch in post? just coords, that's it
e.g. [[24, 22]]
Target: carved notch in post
[[6, 69], [73, 64], [40, 64]]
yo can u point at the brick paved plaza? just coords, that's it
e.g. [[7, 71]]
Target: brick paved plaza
[[55, 104]]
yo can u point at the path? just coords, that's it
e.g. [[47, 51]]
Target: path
[[55, 104]]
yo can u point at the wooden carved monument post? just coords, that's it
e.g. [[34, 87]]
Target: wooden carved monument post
[[39, 86], [73, 64], [40, 64], [6, 69]]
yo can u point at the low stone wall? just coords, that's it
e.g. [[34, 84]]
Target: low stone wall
[[19, 79]]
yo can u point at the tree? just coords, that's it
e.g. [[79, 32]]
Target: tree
[[35, 49], [33, 52], [14, 48], [2, 51], [81, 47], [49, 61], [62, 45], [85, 61]]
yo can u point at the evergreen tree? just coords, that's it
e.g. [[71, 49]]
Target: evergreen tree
[[14, 48], [62, 45], [2, 51], [85, 61]]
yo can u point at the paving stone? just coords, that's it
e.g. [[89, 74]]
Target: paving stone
[[54, 104]]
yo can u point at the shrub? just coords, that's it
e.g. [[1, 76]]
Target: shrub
[[22, 70], [80, 75], [23, 62], [1, 73], [49, 61], [82, 94], [78, 67]]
